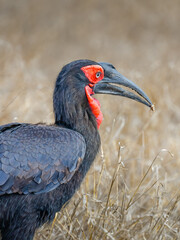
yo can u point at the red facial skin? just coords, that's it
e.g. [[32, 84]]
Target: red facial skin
[[94, 105], [91, 73]]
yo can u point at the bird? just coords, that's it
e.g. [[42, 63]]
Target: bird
[[41, 165]]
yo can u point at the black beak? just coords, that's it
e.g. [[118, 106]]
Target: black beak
[[112, 76]]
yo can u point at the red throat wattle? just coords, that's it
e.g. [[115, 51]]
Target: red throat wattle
[[94, 105], [94, 73]]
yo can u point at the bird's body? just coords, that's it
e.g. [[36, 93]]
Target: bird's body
[[42, 166], [28, 212]]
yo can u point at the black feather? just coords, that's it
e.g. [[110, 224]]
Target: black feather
[[39, 147]]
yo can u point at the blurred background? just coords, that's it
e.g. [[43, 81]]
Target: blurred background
[[142, 39]]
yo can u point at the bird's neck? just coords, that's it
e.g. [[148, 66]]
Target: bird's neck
[[73, 111], [83, 121], [77, 117]]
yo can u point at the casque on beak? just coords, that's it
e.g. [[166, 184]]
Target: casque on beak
[[112, 78]]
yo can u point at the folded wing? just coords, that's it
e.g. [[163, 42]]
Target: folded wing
[[38, 158]]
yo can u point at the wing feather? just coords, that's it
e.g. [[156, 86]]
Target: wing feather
[[38, 158]]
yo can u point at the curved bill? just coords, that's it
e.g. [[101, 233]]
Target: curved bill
[[112, 78]]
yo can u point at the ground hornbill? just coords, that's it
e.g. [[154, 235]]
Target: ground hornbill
[[41, 166]]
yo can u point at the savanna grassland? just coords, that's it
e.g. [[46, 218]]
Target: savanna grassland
[[133, 188]]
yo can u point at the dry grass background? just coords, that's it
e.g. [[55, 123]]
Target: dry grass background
[[132, 190]]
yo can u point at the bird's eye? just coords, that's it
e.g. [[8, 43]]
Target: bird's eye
[[98, 74]]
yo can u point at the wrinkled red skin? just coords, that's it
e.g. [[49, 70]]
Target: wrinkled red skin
[[94, 105], [90, 72]]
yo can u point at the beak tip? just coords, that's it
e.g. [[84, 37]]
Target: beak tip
[[152, 107]]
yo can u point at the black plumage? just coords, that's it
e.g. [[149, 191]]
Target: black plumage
[[36, 159], [41, 166]]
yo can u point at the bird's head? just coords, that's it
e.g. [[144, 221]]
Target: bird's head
[[80, 80]]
